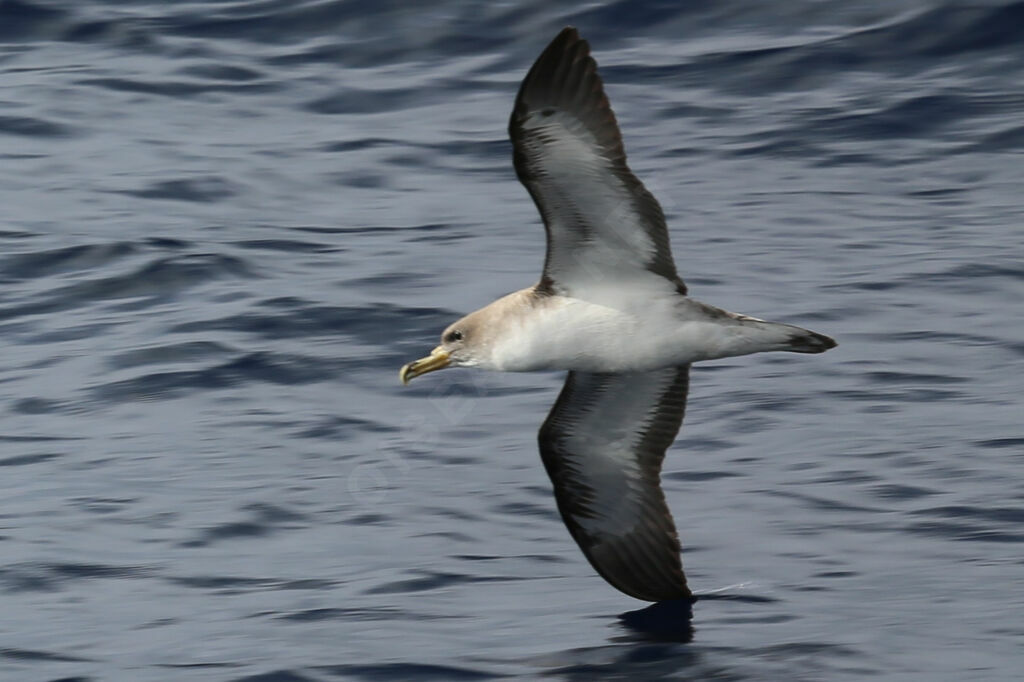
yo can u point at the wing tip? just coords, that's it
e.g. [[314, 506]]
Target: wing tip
[[633, 571], [569, 33], [565, 77], [567, 38], [556, 75]]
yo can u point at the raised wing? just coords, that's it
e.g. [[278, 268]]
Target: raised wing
[[602, 446], [602, 224]]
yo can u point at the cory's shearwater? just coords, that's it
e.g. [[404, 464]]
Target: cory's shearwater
[[611, 310]]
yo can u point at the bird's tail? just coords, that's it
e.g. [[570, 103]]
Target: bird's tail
[[785, 337], [806, 341]]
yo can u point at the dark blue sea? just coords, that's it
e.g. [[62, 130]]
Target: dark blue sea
[[225, 225]]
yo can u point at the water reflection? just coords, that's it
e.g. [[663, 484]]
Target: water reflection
[[664, 621]]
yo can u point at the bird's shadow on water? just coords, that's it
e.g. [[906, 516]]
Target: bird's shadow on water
[[672, 621], [662, 622], [651, 644]]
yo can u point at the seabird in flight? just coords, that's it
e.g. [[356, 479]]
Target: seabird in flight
[[612, 311]]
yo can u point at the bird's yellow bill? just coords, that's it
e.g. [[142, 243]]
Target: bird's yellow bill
[[438, 359]]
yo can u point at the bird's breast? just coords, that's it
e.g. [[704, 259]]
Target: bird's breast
[[563, 333]]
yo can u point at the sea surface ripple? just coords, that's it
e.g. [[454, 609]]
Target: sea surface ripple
[[226, 224]]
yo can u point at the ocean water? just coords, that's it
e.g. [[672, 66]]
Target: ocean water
[[225, 225]]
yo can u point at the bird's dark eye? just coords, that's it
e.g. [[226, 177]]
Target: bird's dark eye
[[453, 336]]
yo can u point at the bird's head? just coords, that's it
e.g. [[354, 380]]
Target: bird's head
[[458, 348]]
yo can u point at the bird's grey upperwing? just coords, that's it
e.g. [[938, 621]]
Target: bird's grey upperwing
[[602, 445], [601, 221]]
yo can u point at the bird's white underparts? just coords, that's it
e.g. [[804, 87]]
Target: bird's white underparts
[[611, 310]]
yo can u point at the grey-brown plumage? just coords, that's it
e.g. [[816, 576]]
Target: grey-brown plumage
[[568, 152], [606, 436], [611, 309], [602, 446]]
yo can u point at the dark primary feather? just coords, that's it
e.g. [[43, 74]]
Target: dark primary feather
[[602, 445], [568, 153]]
